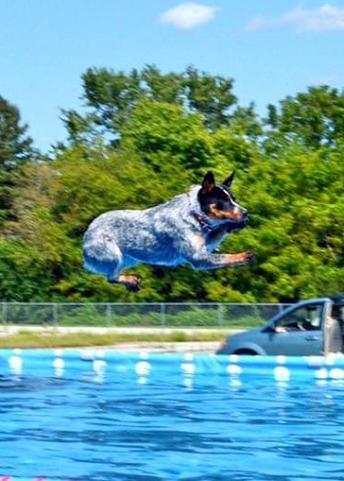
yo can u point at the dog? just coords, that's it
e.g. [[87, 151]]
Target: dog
[[187, 229]]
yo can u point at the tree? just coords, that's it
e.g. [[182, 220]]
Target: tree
[[173, 142], [148, 136], [314, 118], [15, 146], [110, 98], [15, 149], [210, 96]]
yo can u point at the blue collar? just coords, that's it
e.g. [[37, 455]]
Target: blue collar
[[205, 226]]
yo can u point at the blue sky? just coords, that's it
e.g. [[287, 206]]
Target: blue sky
[[271, 48]]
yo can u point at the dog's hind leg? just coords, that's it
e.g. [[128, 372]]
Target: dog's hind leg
[[103, 256], [132, 283]]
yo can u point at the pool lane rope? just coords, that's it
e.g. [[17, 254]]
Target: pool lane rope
[[106, 363]]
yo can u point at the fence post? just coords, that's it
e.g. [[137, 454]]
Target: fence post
[[220, 314], [281, 307], [162, 314], [4, 313], [55, 314], [108, 315]]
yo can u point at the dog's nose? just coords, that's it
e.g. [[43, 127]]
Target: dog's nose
[[244, 218]]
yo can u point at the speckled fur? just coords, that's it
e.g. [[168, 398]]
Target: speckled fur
[[167, 235]]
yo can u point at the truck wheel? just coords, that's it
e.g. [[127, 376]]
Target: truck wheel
[[245, 352]]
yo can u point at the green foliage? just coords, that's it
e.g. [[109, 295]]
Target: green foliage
[[15, 149], [210, 95], [147, 136], [168, 139], [110, 98], [15, 145], [314, 118]]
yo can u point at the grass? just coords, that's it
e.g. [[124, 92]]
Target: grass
[[28, 339]]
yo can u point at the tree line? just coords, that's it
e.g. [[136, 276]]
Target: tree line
[[144, 136]]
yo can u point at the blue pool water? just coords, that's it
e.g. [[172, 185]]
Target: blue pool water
[[70, 415]]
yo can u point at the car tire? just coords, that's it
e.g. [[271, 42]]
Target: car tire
[[246, 352]]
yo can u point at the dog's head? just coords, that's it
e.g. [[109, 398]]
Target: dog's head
[[218, 203]]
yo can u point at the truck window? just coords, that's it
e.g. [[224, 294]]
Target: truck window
[[304, 318]]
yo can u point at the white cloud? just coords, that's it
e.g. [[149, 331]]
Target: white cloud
[[188, 15], [325, 18], [260, 23]]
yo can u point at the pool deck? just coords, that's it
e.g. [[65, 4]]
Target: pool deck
[[6, 329], [194, 347], [153, 346]]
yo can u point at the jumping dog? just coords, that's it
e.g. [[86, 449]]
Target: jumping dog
[[187, 229]]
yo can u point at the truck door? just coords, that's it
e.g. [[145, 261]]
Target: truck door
[[300, 331]]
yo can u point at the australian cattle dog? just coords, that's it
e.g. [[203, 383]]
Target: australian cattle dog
[[187, 229]]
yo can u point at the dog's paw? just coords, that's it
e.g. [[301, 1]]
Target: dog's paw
[[242, 258], [248, 257], [133, 283]]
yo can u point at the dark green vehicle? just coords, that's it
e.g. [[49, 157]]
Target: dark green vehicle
[[308, 328]]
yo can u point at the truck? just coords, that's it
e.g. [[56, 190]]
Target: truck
[[308, 328]]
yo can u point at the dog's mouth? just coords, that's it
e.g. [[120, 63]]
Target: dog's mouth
[[237, 224]]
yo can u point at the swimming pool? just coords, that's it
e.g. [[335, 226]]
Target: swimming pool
[[100, 416]]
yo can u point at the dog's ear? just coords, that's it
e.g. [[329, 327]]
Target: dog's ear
[[229, 179], [208, 183]]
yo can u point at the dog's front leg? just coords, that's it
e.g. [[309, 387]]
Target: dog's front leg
[[217, 261]]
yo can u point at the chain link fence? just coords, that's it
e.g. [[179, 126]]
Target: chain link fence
[[139, 314]]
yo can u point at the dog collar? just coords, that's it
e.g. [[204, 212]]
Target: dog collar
[[202, 222]]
